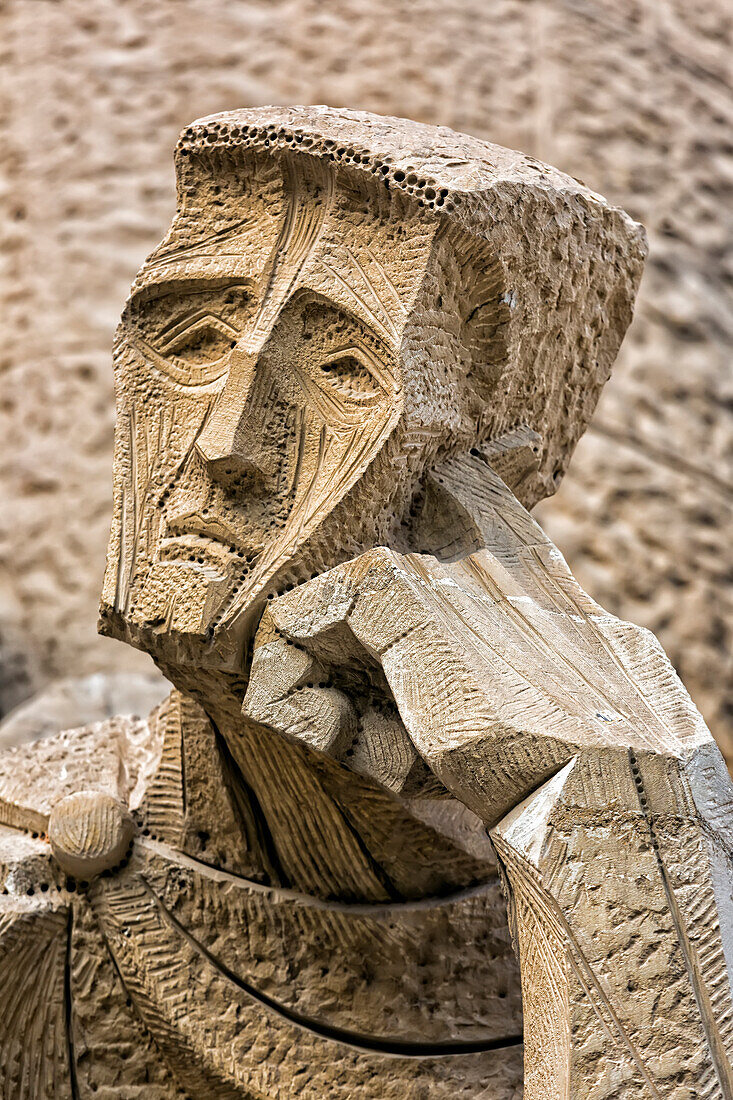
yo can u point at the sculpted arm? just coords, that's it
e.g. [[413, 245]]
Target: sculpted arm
[[570, 735]]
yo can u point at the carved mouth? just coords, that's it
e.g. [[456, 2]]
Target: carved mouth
[[199, 541], [196, 550]]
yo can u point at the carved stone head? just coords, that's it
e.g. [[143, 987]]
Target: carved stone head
[[340, 302]]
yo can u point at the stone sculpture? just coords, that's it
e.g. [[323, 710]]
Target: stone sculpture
[[364, 349]]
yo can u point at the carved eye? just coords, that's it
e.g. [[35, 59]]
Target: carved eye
[[199, 341], [193, 352], [350, 377], [204, 344], [186, 329]]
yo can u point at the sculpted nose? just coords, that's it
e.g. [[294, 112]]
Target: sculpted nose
[[230, 443]]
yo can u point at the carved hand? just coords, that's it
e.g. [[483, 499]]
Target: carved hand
[[501, 667]]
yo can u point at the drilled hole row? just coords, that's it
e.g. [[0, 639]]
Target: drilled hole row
[[216, 134], [644, 801]]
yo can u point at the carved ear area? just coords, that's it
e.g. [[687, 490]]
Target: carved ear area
[[515, 456], [485, 311]]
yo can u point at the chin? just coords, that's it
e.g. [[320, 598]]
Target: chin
[[179, 616]]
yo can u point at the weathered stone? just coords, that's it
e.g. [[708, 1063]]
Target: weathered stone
[[630, 100]]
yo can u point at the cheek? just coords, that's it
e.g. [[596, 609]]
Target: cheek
[[157, 422], [345, 452]]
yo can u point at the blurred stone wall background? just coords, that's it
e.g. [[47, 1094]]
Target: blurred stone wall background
[[632, 97]]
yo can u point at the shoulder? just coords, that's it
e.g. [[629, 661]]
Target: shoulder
[[116, 757]]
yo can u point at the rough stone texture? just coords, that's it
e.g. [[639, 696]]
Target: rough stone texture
[[632, 98], [341, 300], [618, 867], [249, 989]]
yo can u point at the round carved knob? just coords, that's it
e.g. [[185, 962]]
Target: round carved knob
[[89, 832]]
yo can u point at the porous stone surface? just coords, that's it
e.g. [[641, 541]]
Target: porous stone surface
[[632, 98]]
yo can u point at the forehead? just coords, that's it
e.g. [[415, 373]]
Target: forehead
[[288, 224]]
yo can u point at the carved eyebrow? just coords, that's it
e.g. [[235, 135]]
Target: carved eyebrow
[[378, 317], [305, 298], [186, 285], [244, 227]]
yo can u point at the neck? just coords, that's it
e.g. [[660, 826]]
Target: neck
[[449, 517]]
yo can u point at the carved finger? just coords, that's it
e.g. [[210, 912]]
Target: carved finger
[[383, 751], [288, 692], [299, 696], [319, 615]]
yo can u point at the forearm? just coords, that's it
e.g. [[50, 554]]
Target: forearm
[[568, 732]]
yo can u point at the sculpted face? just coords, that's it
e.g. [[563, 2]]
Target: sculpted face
[[259, 375]]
